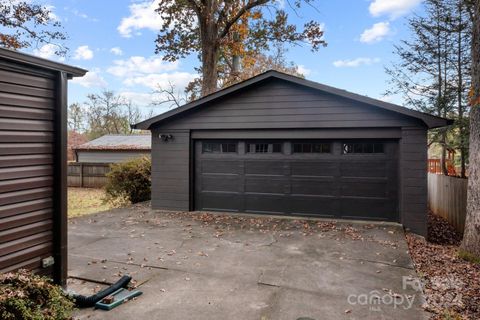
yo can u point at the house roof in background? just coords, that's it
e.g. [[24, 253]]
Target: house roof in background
[[118, 142], [29, 59], [429, 120]]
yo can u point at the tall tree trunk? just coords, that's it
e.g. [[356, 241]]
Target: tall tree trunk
[[210, 49], [471, 238], [460, 90], [440, 106], [443, 160], [209, 69]]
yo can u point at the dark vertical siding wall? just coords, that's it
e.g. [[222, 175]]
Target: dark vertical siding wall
[[170, 171], [413, 179], [27, 142]]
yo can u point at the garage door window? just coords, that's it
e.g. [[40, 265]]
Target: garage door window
[[311, 148], [260, 147], [362, 147], [217, 147]]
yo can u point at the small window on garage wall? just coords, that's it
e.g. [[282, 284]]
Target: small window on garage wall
[[362, 147], [219, 147], [312, 147], [264, 147]]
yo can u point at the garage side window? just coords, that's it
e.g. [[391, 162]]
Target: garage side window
[[311, 147], [362, 147], [260, 147], [218, 147]]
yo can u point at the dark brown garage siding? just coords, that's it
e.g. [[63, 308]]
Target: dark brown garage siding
[[32, 164], [27, 113]]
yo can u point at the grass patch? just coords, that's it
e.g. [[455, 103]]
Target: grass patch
[[82, 201], [467, 256]]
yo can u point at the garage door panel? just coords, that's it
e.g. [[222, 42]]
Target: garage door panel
[[220, 182], [365, 188], [335, 185], [221, 166], [367, 208], [265, 203], [259, 184], [322, 206], [219, 201], [320, 168], [373, 168], [264, 168], [317, 186]]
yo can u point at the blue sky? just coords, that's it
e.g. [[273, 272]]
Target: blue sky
[[114, 40]]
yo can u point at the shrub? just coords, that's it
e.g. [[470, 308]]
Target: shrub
[[129, 181], [26, 296]]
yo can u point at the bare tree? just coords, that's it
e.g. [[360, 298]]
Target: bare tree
[[169, 96], [106, 114], [76, 118]]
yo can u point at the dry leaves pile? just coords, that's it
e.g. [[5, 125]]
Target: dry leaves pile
[[441, 232], [451, 284], [284, 227]]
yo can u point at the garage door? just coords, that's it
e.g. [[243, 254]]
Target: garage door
[[339, 179]]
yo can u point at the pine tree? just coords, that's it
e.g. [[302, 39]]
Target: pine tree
[[432, 74]]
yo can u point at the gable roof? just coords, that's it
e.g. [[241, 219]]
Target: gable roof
[[29, 59], [118, 142], [429, 120]]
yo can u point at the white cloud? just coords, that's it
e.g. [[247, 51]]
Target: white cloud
[[392, 8], [384, 98], [303, 70], [150, 72], [81, 14], [92, 79], [376, 33], [51, 13], [83, 53], [137, 65], [116, 51], [138, 98], [155, 81], [46, 51], [142, 16], [355, 62]]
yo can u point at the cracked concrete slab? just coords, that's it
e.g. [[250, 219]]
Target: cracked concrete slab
[[234, 267]]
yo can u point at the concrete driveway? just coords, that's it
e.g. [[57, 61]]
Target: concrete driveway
[[213, 266]]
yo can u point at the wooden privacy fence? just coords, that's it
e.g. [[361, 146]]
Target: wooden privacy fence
[[87, 175], [447, 197]]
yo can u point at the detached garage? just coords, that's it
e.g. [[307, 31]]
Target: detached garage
[[278, 144]]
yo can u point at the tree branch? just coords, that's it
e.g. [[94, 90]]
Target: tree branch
[[240, 13]]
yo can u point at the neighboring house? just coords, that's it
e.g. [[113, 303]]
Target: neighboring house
[[278, 144], [33, 163], [113, 148]]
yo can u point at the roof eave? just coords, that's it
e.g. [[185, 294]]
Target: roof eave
[[29, 59]]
